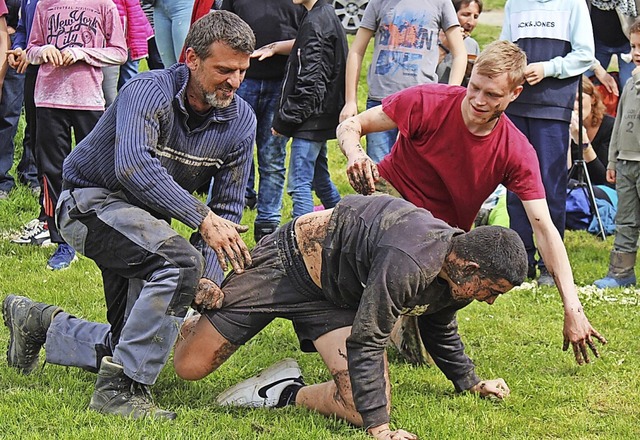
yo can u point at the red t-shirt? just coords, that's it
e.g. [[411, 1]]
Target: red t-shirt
[[437, 164], [3, 9]]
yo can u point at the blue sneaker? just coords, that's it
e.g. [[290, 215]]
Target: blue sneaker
[[62, 257]]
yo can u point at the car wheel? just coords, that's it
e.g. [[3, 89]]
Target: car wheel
[[350, 13]]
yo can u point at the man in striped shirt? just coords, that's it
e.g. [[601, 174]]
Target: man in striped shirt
[[167, 133]]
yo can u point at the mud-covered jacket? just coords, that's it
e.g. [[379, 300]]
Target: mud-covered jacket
[[313, 90]]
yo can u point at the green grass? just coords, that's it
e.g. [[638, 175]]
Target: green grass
[[518, 339]]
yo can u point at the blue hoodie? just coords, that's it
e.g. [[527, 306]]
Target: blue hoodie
[[557, 33]]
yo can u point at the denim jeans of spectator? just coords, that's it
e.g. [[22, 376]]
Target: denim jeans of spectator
[[262, 96], [309, 170], [10, 108], [603, 54], [172, 19], [379, 144]]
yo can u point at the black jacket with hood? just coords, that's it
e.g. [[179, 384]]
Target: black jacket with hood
[[313, 88]]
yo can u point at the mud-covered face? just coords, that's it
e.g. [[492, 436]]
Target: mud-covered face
[[480, 289], [466, 281]]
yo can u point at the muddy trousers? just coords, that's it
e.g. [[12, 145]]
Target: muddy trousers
[[150, 274]]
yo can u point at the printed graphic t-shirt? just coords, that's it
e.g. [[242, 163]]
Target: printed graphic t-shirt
[[406, 42]]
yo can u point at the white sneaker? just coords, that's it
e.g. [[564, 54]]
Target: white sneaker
[[34, 233], [264, 389]]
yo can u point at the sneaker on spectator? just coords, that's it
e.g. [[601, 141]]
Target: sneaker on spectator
[[34, 233], [62, 257], [4, 195]]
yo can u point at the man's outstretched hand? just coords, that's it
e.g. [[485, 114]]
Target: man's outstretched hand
[[223, 237], [580, 334], [208, 295]]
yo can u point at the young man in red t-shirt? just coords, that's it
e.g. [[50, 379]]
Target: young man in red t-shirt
[[453, 149]]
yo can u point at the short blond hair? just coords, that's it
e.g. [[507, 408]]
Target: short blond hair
[[502, 57]]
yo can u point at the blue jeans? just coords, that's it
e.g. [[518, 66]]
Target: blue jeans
[[603, 54], [262, 96], [308, 170], [10, 108], [172, 19], [379, 144]]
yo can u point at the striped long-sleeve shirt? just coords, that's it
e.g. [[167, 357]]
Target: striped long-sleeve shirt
[[143, 147]]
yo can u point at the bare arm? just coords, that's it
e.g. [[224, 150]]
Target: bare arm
[[352, 74], [577, 330], [459, 53], [361, 170], [276, 48]]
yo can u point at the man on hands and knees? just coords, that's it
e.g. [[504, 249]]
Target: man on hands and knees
[[344, 277], [167, 133], [452, 139]]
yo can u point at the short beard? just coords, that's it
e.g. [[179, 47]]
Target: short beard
[[214, 101]]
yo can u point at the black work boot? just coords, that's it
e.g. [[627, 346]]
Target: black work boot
[[120, 395], [28, 322], [263, 229]]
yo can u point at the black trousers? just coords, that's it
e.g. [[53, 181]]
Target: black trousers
[[52, 146]]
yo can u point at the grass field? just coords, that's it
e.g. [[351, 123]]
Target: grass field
[[518, 338]]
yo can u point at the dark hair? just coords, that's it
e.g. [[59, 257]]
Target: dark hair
[[499, 252], [458, 4], [223, 26]]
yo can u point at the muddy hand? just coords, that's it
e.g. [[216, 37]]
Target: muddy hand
[[208, 295], [579, 333], [363, 174], [223, 237]]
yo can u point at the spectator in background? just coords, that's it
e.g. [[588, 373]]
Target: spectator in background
[[405, 53], [171, 23], [468, 12], [4, 42], [312, 96], [36, 231], [137, 31], [153, 61], [11, 98], [610, 21], [275, 24], [558, 41], [71, 45], [623, 169], [597, 127]]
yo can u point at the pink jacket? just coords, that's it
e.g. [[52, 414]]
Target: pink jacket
[[136, 27]]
